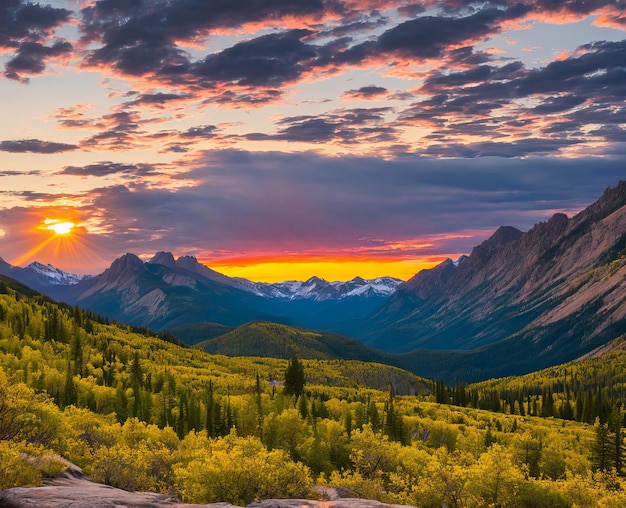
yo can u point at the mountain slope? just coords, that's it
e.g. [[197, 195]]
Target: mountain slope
[[520, 300]]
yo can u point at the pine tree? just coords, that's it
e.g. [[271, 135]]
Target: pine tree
[[615, 425], [294, 378], [603, 452]]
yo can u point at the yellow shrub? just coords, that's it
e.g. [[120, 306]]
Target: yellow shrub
[[15, 471]]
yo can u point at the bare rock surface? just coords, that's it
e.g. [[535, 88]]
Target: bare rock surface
[[73, 490]]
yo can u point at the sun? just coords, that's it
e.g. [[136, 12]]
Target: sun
[[58, 226]]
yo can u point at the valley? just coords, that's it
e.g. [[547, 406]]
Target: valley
[[498, 379], [529, 300], [143, 414]]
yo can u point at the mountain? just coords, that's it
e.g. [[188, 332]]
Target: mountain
[[39, 276], [190, 264], [161, 295], [314, 289], [520, 301]]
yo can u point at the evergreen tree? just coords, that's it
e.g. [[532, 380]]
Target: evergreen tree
[[294, 378], [615, 422], [603, 452]]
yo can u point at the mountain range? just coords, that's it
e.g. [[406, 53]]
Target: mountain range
[[165, 292], [520, 301]]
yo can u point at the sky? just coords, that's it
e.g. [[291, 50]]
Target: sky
[[281, 139]]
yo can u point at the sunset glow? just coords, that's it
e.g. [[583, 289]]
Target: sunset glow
[[59, 227], [281, 269], [289, 139]]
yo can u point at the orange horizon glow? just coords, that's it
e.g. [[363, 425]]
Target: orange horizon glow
[[268, 269]]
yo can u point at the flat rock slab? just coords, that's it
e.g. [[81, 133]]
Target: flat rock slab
[[72, 492], [80, 493], [339, 503]]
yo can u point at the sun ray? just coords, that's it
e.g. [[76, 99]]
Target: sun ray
[[66, 245]]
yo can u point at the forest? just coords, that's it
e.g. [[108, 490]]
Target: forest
[[141, 412]]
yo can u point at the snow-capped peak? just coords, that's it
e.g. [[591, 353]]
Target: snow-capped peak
[[54, 276], [319, 289]]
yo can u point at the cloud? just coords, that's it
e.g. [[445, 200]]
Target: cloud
[[145, 42], [35, 146], [244, 201], [539, 110], [25, 28], [31, 58], [366, 92], [160, 99], [106, 168], [267, 61], [349, 126]]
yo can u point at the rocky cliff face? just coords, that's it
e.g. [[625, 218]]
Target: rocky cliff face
[[561, 273]]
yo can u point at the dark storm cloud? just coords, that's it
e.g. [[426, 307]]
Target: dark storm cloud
[[25, 28], [586, 88], [35, 146], [145, 42], [431, 36], [521, 148], [297, 201], [558, 104], [28, 21]]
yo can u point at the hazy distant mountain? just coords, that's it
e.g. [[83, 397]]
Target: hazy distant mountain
[[522, 299], [319, 290]]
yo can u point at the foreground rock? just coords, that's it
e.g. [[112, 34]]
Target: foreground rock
[[72, 490]]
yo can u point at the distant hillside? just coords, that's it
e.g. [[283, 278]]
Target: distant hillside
[[198, 332], [280, 341]]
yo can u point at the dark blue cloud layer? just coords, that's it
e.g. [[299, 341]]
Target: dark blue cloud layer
[[271, 201]]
